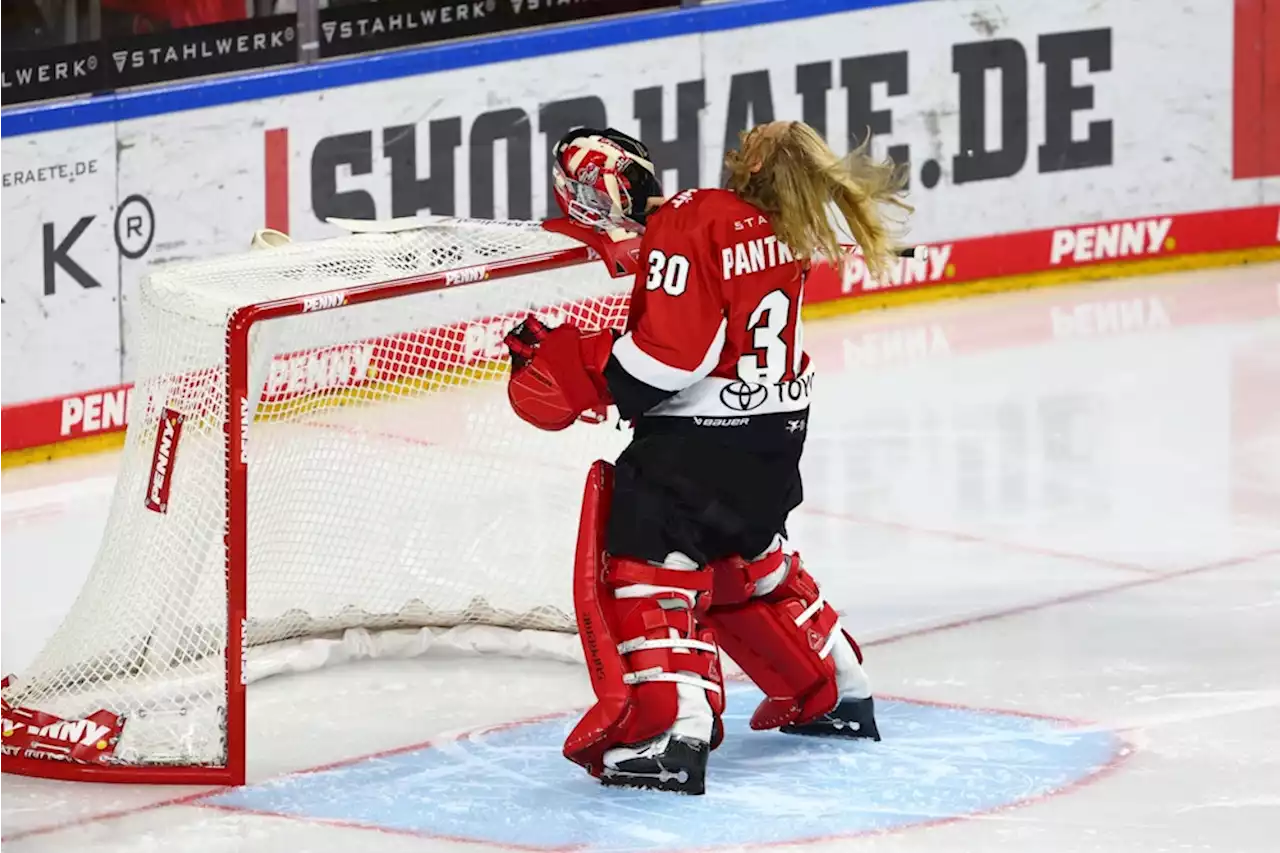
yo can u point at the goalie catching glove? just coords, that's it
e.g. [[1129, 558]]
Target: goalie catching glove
[[557, 375]]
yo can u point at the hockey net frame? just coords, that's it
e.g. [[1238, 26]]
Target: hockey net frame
[[618, 251]]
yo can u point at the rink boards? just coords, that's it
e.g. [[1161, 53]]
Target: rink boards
[[1097, 118]]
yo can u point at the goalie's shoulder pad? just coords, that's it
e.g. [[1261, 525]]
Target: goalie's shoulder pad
[[700, 209]]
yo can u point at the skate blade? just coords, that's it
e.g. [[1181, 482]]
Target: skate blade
[[841, 729], [675, 783], [845, 732], [852, 719]]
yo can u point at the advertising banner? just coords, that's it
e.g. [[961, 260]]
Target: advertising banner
[[64, 231], [172, 54], [1012, 119], [946, 264], [363, 27]]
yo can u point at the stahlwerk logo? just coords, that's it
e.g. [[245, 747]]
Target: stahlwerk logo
[[396, 23], [196, 49], [53, 72], [49, 72], [567, 10], [388, 23], [211, 49], [520, 6], [136, 60]]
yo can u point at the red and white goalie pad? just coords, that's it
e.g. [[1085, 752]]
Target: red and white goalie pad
[[638, 649], [782, 640]]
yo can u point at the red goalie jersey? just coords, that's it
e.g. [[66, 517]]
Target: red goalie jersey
[[714, 340]]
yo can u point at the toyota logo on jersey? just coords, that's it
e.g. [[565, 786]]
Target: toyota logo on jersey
[[743, 396]]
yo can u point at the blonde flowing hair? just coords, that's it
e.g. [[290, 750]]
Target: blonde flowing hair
[[787, 170]]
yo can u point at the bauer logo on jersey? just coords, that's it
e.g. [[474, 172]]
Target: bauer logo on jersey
[[162, 460]]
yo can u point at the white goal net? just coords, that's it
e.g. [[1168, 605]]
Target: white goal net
[[385, 481]]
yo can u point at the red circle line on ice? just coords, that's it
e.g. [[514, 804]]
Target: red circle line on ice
[[941, 763]]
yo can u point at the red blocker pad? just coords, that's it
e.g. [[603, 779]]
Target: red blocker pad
[[782, 641], [633, 659], [617, 247]]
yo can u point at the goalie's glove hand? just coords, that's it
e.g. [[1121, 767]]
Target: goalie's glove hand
[[523, 340], [557, 375]]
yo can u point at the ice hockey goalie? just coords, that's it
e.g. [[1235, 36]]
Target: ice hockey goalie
[[682, 549]]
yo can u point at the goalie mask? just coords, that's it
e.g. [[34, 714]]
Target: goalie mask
[[604, 178]]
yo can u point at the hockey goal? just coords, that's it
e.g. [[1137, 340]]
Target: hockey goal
[[318, 441]]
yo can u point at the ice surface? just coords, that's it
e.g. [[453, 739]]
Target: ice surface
[[1062, 503]]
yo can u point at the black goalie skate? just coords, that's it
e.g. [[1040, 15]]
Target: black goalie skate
[[852, 718], [666, 763]]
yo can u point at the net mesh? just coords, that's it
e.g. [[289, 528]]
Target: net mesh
[[389, 483]]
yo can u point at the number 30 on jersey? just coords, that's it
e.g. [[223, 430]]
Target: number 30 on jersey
[[670, 273]]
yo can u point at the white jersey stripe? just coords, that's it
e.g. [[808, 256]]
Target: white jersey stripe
[[652, 371]]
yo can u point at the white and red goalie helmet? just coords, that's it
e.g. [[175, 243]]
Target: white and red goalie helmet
[[604, 178]]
